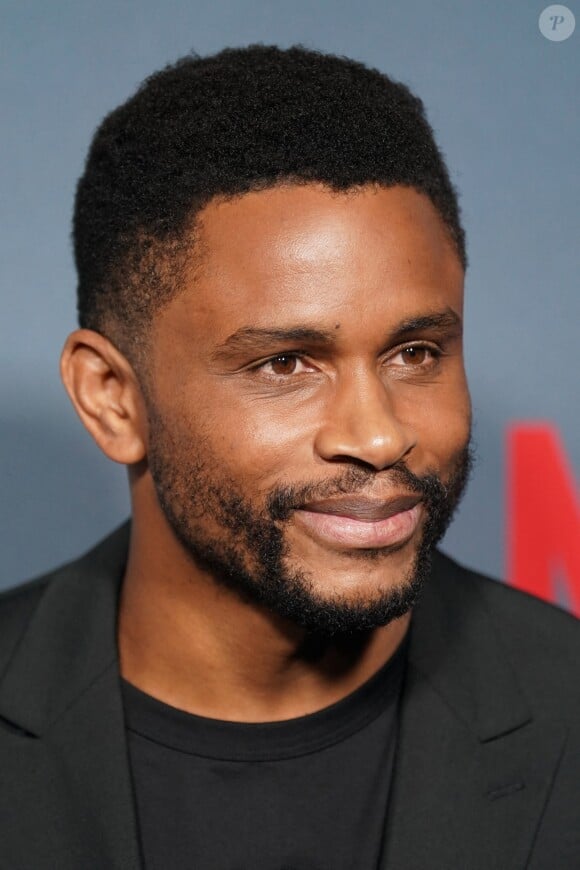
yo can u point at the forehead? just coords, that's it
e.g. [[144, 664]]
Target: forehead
[[304, 252]]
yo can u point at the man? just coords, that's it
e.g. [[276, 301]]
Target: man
[[273, 667]]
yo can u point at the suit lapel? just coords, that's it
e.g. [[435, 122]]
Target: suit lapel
[[67, 797], [68, 793], [474, 768]]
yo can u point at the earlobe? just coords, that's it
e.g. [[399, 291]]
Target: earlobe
[[105, 393]]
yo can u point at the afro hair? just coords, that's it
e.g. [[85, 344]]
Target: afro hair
[[240, 120]]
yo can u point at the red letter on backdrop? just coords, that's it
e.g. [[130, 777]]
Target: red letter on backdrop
[[543, 514]]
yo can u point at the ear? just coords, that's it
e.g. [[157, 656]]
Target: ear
[[106, 395]]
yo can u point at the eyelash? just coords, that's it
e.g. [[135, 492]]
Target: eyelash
[[435, 352]]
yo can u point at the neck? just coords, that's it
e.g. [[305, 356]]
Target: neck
[[194, 644]]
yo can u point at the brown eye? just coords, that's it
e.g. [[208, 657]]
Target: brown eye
[[415, 355], [284, 364]]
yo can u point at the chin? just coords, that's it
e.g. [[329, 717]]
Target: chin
[[362, 578]]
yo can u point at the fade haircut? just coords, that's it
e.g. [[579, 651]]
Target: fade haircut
[[219, 126]]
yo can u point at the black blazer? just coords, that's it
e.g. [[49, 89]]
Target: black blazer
[[487, 774]]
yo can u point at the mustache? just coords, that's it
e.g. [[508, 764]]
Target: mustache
[[284, 500]]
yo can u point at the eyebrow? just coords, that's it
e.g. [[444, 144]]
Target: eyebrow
[[446, 319], [254, 338]]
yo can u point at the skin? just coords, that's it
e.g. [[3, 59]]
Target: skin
[[354, 265]]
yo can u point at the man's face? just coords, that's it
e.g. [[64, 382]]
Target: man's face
[[309, 412]]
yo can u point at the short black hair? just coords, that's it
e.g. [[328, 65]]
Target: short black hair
[[239, 120]]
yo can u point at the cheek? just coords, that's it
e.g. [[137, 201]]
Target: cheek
[[257, 445], [451, 437], [441, 421]]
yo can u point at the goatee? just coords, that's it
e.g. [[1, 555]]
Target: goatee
[[250, 556]]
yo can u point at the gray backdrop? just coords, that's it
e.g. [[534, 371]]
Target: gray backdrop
[[504, 103]]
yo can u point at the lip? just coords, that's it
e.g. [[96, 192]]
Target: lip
[[364, 508], [362, 524]]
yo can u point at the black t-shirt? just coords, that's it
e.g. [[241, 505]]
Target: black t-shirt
[[304, 794]]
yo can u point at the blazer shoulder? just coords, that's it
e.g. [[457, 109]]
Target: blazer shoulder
[[515, 604], [19, 604], [16, 608], [542, 640]]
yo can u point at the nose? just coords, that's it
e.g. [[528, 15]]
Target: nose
[[361, 424]]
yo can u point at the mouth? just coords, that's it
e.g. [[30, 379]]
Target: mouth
[[352, 522]]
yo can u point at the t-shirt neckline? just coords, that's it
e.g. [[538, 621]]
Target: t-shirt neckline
[[265, 741]]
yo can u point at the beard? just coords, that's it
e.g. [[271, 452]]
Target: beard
[[243, 547]]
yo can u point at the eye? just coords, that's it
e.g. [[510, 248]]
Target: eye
[[419, 356], [283, 365]]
